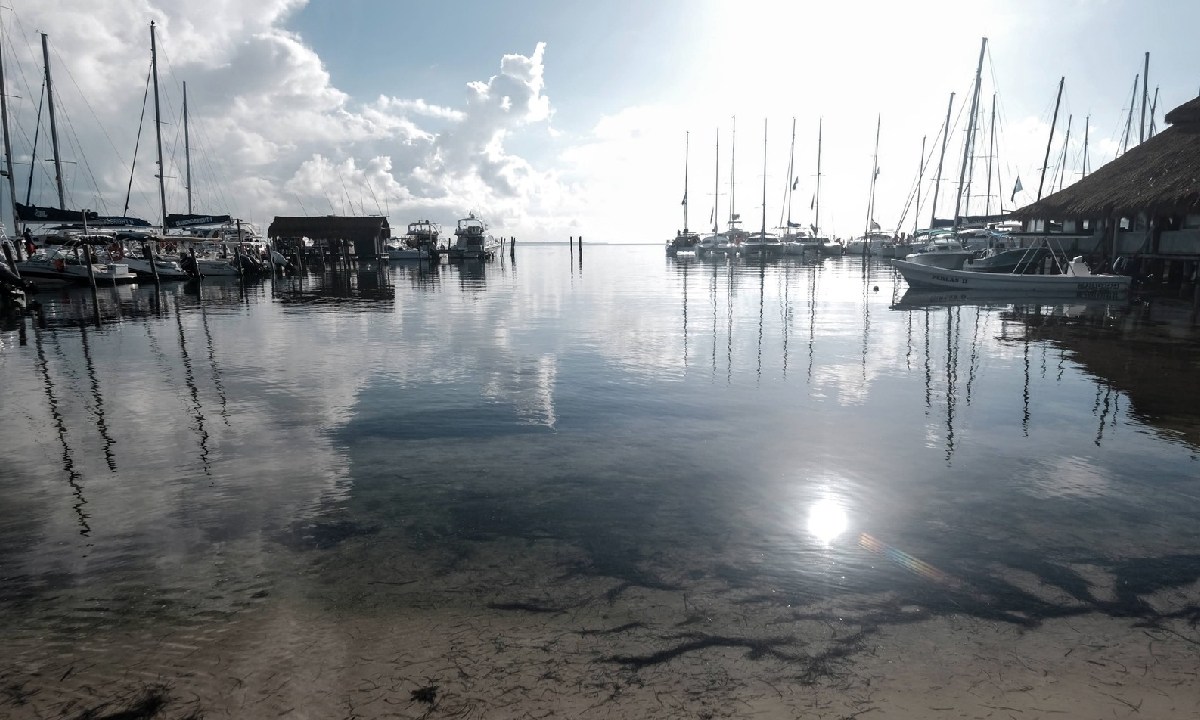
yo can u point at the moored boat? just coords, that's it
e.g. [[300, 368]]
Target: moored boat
[[472, 240], [1075, 279]]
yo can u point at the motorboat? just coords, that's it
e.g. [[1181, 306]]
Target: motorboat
[[831, 248], [1074, 278], [472, 240], [419, 243]]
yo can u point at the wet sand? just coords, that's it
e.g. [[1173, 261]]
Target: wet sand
[[523, 629]]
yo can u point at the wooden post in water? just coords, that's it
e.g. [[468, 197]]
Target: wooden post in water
[[237, 258], [512, 248]]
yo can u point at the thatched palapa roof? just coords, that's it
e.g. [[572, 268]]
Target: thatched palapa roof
[[1160, 176], [331, 227]]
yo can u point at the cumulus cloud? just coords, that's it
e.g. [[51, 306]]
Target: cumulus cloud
[[270, 132]]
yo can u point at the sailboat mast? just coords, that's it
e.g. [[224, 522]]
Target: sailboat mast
[[1063, 164], [920, 176], [1145, 99], [187, 155], [1050, 140], [817, 199], [764, 205], [937, 179], [162, 183], [987, 206], [874, 175], [1087, 124], [966, 160], [717, 185], [62, 202], [12, 183], [732, 173], [790, 181]]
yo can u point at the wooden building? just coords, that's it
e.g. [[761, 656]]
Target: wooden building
[[333, 237], [1145, 204]]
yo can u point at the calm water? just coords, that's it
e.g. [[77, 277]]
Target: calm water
[[573, 441]]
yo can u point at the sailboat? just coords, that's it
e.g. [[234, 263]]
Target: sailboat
[[873, 237], [684, 239], [77, 262], [825, 246], [763, 243], [718, 242]]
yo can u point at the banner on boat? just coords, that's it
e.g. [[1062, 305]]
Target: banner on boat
[[181, 221], [35, 214]]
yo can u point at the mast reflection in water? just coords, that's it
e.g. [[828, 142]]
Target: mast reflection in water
[[614, 474]]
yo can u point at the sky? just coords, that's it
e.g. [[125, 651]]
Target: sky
[[552, 119]]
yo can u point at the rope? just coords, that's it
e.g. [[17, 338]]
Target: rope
[[137, 143]]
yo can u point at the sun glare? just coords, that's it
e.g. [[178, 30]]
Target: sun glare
[[827, 520]]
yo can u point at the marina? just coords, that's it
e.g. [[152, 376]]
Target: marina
[[293, 426], [649, 474]]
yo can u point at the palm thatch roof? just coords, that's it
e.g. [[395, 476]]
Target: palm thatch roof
[[331, 227], [1160, 176]]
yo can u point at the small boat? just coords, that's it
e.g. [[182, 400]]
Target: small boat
[[473, 242], [1075, 279]]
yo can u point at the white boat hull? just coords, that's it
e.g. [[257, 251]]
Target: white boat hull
[[945, 259], [927, 276]]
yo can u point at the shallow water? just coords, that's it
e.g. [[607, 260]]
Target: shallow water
[[621, 465]]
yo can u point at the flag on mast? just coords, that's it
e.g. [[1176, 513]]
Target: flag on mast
[[813, 203], [684, 200], [796, 182], [1017, 187]]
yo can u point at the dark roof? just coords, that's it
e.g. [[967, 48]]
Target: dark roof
[[1161, 176], [331, 227]]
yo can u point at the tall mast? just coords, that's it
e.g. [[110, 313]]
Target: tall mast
[[817, 199], [1145, 99], [764, 205], [162, 183], [937, 180], [717, 185], [987, 206], [874, 175], [1129, 118], [920, 176], [1087, 123], [962, 170], [1066, 145], [1050, 140], [187, 157], [790, 176], [12, 183], [62, 202], [732, 174]]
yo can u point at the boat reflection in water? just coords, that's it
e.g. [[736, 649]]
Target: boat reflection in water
[[817, 492]]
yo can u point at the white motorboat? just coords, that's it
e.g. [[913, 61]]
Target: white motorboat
[[1075, 279], [473, 241], [831, 248]]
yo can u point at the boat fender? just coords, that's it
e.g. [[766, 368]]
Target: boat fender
[[1119, 265]]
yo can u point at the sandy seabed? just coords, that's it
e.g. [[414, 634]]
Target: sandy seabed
[[497, 636]]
